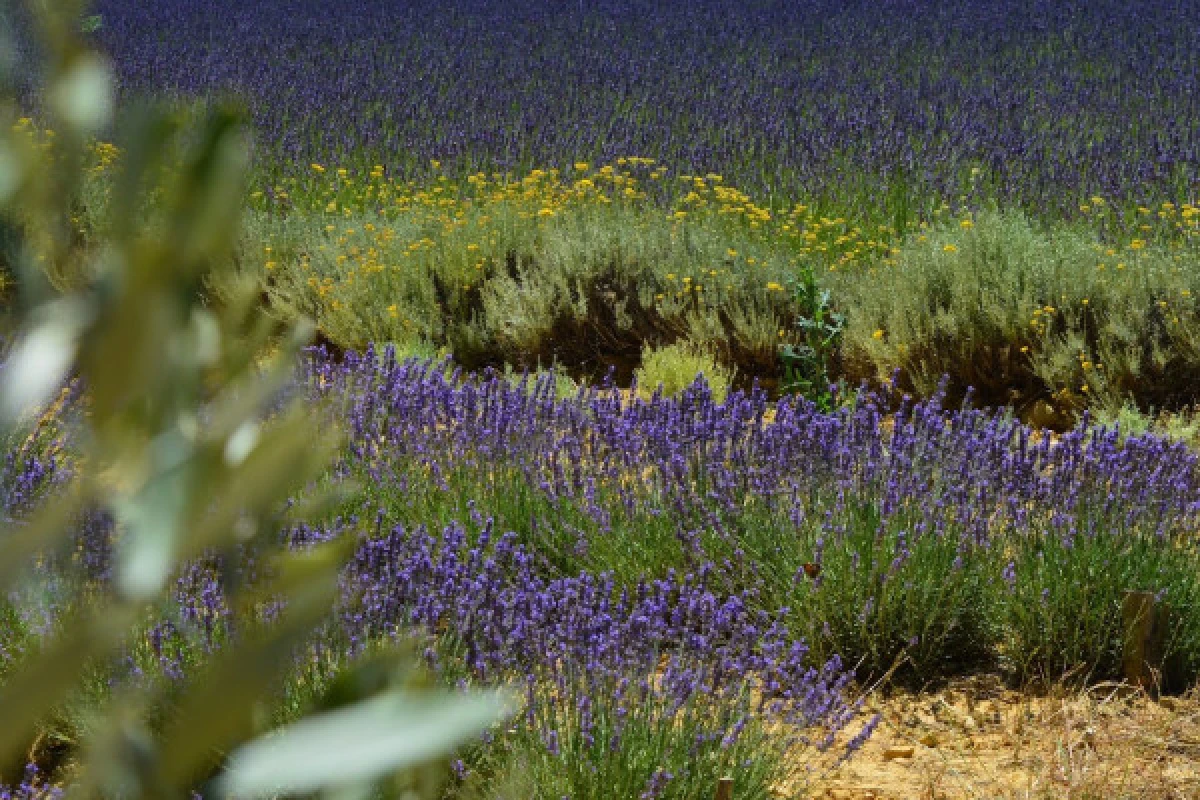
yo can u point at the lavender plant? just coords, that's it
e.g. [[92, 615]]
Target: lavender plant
[[623, 685]]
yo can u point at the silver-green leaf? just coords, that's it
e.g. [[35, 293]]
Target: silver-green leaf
[[366, 741]]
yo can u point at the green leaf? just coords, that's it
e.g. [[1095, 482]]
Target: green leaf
[[47, 678], [146, 137], [11, 172], [363, 742], [44, 530], [208, 198], [38, 365], [285, 457], [147, 553], [82, 96]]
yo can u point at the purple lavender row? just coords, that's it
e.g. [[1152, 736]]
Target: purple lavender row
[[974, 469], [513, 622], [489, 615], [837, 100]]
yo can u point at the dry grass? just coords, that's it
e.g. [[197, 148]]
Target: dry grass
[[978, 739]]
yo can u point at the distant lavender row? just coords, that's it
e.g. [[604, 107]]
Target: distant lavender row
[[860, 103]]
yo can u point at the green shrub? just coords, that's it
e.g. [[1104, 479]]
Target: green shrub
[[880, 593], [527, 271], [1049, 320], [677, 366]]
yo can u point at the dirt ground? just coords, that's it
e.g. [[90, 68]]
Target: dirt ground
[[978, 739]]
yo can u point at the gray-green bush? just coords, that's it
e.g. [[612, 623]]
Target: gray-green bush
[[586, 287], [1050, 320]]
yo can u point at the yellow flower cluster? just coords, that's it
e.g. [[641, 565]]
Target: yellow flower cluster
[[1167, 221], [465, 229], [832, 242]]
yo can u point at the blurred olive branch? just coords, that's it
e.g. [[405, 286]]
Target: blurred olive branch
[[154, 360]]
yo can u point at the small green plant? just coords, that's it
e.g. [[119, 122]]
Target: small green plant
[[808, 363], [678, 366]]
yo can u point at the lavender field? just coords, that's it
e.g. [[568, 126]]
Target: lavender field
[[862, 107], [679, 582], [554, 184], [697, 374]]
